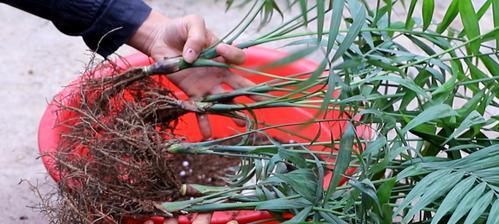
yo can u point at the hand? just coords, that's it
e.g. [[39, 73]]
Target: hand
[[199, 219], [162, 37]]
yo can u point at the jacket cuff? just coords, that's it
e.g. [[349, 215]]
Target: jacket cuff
[[116, 25]]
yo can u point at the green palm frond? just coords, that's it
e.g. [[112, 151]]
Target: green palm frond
[[428, 90], [464, 189]]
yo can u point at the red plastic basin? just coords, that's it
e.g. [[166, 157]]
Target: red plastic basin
[[49, 132]]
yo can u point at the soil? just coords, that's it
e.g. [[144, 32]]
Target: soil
[[204, 169], [210, 169]]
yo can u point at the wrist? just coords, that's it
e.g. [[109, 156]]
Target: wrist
[[148, 32]]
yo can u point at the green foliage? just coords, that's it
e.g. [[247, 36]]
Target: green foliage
[[428, 9], [427, 91], [468, 186]]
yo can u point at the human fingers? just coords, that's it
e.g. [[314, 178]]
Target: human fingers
[[171, 221], [231, 54], [196, 39], [204, 125], [237, 82], [202, 219]]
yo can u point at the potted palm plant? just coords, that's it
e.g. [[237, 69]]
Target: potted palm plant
[[415, 102]]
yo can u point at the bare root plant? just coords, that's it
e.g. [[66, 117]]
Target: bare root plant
[[113, 159], [432, 153]]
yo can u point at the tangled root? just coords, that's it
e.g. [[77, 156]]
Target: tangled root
[[112, 158]]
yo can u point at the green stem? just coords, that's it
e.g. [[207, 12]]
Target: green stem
[[450, 49]]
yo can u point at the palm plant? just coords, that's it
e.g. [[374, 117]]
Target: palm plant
[[433, 153]]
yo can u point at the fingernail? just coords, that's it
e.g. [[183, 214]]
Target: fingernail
[[233, 222], [190, 55]]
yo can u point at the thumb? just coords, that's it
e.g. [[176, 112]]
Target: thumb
[[196, 38]]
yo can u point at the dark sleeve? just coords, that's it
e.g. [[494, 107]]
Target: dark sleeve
[[105, 25]]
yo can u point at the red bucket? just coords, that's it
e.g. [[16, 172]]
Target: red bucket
[[49, 133]]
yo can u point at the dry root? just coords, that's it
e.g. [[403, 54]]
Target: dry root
[[112, 159]]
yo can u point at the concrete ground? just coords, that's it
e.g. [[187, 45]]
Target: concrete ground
[[36, 62]]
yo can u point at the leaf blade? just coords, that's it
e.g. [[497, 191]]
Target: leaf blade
[[470, 23], [334, 24], [433, 192], [453, 197], [343, 158], [300, 217], [495, 12], [320, 20], [428, 9], [493, 217], [359, 18], [449, 16], [480, 206], [432, 113], [467, 203]]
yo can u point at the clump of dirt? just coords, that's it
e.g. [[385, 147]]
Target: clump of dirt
[[210, 169], [204, 169]]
